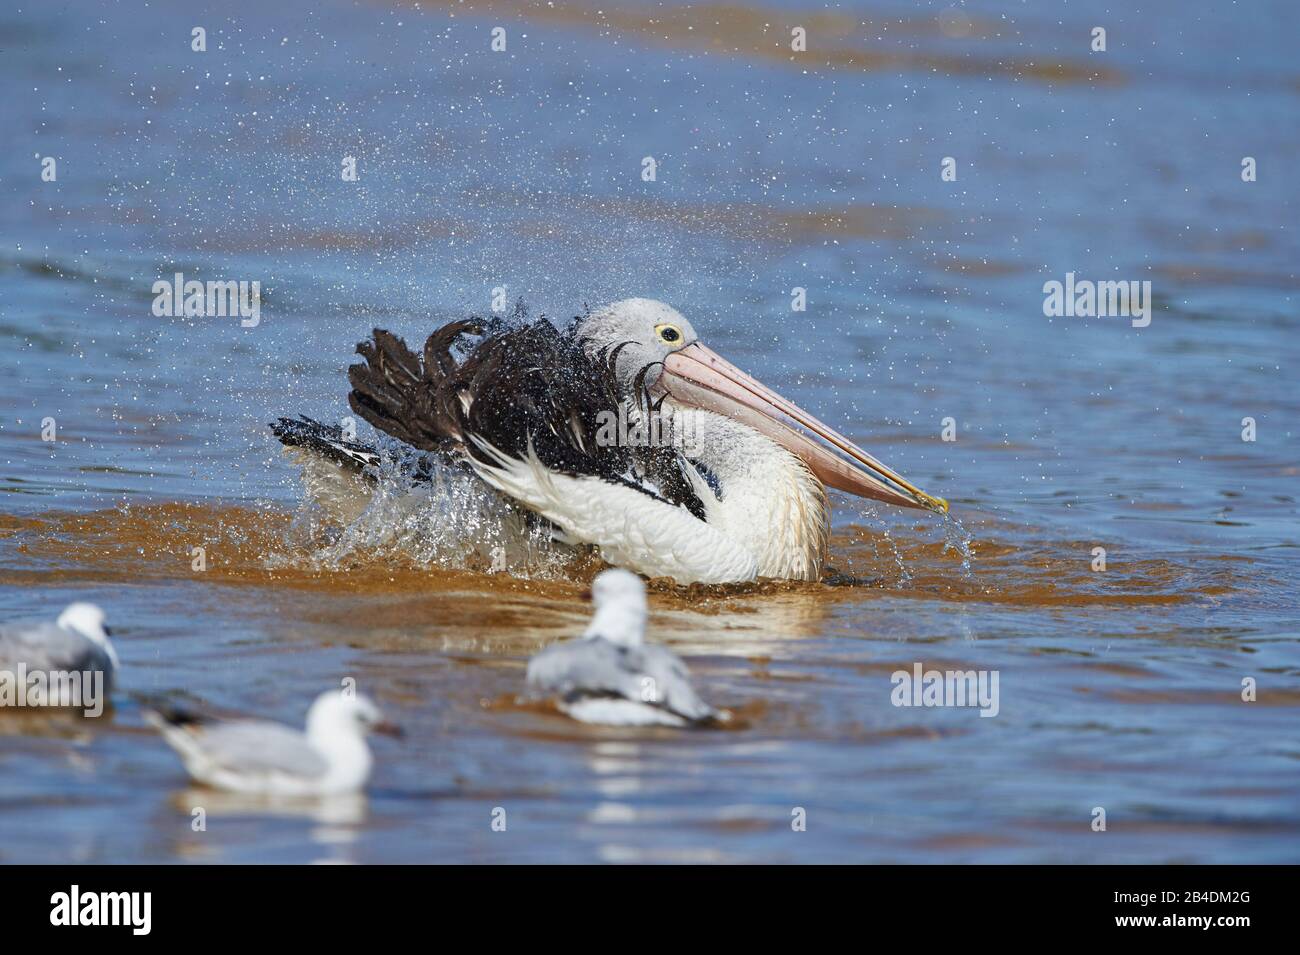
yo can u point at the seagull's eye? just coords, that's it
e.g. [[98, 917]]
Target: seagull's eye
[[669, 333]]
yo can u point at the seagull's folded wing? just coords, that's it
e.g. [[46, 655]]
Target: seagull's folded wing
[[672, 682], [250, 747], [584, 667], [597, 667], [48, 647]]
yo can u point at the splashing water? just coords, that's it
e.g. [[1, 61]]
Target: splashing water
[[957, 538], [904, 575], [868, 511], [447, 518]]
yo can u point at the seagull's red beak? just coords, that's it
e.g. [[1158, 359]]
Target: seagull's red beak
[[696, 376]]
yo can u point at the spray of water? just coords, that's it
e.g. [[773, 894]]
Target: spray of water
[[869, 513], [957, 538], [439, 516]]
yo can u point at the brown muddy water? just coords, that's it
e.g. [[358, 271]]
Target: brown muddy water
[[1119, 689]]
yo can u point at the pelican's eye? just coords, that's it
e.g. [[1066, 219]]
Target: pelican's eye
[[670, 334]]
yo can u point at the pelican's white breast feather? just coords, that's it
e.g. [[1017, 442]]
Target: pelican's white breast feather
[[631, 529]]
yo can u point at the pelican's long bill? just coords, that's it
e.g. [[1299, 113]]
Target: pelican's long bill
[[696, 376]]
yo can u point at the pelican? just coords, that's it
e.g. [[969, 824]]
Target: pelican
[[258, 757], [624, 432], [610, 675]]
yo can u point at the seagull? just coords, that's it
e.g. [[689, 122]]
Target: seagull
[[258, 757], [624, 432], [610, 675], [76, 642]]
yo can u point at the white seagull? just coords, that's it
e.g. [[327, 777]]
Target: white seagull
[[258, 757], [610, 675], [623, 432], [76, 642]]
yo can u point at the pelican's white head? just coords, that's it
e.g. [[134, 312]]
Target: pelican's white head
[[619, 598], [637, 334], [654, 349], [87, 620]]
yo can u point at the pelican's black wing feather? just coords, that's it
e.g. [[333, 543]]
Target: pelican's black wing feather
[[512, 385], [325, 440], [329, 442]]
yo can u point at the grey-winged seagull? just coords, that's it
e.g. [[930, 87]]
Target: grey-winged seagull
[[76, 642], [610, 675], [258, 757]]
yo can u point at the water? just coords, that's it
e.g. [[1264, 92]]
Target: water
[[957, 538], [1120, 688]]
